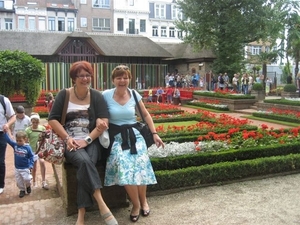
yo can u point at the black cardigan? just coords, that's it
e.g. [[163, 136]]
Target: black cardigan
[[98, 107]]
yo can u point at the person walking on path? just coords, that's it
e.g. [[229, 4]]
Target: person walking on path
[[23, 162], [33, 132], [86, 120], [128, 164], [6, 111]]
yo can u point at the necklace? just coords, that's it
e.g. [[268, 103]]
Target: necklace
[[79, 98]]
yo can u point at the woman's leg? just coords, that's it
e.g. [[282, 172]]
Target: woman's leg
[[104, 210], [142, 189], [133, 192], [34, 174], [80, 218], [43, 173]]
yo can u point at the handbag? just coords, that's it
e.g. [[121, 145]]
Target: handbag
[[51, 147], [143, 126]]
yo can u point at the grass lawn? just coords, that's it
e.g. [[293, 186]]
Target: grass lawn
[[184, 123], [272, 121]]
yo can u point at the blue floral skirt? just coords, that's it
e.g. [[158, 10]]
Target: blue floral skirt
[[124, 168]]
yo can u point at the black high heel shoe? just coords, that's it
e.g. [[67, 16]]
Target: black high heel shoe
[[134, 218], [145, 212]]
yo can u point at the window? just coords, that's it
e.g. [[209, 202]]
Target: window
[[179, 34], [160, 11], [51, 24], [171, 32], [70, 24], [154, 31], [131, 2], [142, 25], [21, 23], [1, 4], [8, 24], [120, 24], [163, 31], [82, 1], [31, 23], [101, 24], [61, 24], [255, 50], [83, 22], [42, 23], [101, 4], [176, 13]]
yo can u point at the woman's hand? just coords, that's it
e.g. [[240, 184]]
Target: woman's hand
[[73, 145], [158, 142], [101, 125]]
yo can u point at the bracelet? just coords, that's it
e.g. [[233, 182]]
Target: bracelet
[[154, 133], [66, 139]]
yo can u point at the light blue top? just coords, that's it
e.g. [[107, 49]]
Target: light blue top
[[120, 114]]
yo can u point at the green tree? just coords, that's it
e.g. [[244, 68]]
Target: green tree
[[293, 39], [228, 26], [21, 73]]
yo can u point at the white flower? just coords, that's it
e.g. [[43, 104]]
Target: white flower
[[175, 148]]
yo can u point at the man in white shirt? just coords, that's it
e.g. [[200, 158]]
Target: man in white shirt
[[6, 111]]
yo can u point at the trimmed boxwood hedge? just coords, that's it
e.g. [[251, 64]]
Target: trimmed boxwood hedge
[[282, 102], [224, 172], [276, 117], [184, 161], [220, 95]]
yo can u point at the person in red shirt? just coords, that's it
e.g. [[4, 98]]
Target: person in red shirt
[[169, 93]]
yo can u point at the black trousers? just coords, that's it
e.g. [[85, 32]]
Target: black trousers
[[88, 179]]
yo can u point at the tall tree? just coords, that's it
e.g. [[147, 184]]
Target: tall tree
[[227, 26], [293, 39]]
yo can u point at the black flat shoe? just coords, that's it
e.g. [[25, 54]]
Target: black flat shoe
[[134, 218], [145, 212]]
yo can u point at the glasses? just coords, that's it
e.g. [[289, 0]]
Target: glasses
[[122, 68], [88, 76]]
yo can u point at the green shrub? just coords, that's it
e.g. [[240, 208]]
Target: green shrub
[[257, 87], [290, 88]]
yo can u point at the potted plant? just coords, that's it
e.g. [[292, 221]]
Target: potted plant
[[258, 91], [289, 91]]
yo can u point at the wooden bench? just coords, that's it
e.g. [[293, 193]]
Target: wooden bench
[[65, 174]]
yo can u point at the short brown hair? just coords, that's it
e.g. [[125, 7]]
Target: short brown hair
[[120, 70], [21, 134], [78, 66]]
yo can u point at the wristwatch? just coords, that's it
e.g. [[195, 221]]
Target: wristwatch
[[88, 140]]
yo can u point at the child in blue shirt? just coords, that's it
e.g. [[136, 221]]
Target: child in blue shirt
[[24, 160]]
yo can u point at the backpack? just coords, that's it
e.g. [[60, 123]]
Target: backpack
[[221, 80], [3, 103]]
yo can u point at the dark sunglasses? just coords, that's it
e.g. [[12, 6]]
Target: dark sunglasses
[[122, 68]]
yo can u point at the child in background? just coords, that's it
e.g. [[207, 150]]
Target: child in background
[[33, 133], [23, 162], [49, 101], [22, 121], [150, 93]]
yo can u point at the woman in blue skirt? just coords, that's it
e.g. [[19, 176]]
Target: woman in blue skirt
[[128, 164]]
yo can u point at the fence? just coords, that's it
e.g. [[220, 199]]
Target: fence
[[57, 75]]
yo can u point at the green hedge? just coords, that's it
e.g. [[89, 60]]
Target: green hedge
[[185, 161], [277, 117], [219, 95], [224, 171], [282, 102], [207, 106]]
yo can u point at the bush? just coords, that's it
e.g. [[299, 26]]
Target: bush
[[257, 87], [290, 88]]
